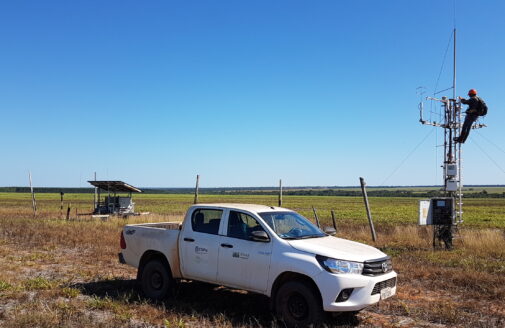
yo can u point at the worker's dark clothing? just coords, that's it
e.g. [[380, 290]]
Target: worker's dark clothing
[[467, 126], [473, 104], [471, 116]]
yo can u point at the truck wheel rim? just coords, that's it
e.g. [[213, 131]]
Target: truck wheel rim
[[297, 306], [156, 280]]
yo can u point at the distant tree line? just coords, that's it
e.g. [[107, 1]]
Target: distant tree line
[[371, 193], [352, 192]]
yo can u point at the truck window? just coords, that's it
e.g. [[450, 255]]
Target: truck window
[[240, 225], [206, 220], [291, 225]]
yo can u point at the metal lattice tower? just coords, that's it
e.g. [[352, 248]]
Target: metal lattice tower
[[452, 165]]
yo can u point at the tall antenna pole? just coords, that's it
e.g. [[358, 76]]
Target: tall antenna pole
[[454, 68], [457, 114]]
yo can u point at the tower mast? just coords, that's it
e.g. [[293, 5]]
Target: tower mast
[[446, 212], [454, 67]]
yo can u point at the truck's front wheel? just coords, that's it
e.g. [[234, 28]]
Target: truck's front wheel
[[298, 304], [155, 280]]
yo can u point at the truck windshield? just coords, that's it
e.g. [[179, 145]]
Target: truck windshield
[[291, 225]]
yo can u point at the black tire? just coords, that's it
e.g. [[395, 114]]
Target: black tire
[[156, 281], [299, 305]]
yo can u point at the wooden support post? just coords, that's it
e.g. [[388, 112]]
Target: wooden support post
[[334, 221], [97, 209], [317, 218], [61, 203], [68, 212], [367, 206], [34, 202], [95, 197], [196, 188], [280, 192], [108, 200]]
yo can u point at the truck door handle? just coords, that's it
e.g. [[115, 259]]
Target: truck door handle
[[227, 245], [189, 239]]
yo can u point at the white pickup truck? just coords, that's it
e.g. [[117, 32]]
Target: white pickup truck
[[263, 249]]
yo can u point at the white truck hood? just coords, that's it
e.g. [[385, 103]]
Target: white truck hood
[[337, 248]]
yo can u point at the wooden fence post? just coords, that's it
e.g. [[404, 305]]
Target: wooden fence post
[[68, 212], [196, 188], [34, 202], [333, 219], [317, 218], [367, 206], [280, 192], [61, 203]]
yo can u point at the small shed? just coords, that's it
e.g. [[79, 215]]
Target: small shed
[[113, 203]]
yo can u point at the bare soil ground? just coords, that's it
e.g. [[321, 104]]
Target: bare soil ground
[[62, 273]]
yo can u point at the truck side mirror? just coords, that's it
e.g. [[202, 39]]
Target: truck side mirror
[[261, 236], [330, 231]]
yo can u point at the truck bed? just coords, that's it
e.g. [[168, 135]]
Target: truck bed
[[161, 225], [162, 237]]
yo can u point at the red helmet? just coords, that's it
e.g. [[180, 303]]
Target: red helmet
[[472, 92]]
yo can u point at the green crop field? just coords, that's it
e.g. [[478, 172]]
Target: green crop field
[[478, 212]]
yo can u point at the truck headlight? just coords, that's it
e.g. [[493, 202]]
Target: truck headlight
[[339, 266]]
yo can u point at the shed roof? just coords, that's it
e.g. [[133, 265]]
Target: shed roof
[[114, 186]]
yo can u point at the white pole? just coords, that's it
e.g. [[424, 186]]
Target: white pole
[[34, 202]]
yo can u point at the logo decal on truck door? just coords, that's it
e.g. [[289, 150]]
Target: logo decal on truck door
[[240, 255], [201, 250]]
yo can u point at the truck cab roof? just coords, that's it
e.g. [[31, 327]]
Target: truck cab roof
[[244, 207]]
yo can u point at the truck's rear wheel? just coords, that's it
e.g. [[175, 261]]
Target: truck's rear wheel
[[155, 280], [298, 304]]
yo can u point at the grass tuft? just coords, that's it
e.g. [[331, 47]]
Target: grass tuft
[[70, 292], [38, 283], [101, 303], [4, 286]]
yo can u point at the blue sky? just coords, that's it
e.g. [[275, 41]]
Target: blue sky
[[241, 92]]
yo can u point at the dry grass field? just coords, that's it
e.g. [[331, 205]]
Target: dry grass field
[[59, 273]]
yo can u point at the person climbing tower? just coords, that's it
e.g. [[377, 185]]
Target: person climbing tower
[[476, 107]]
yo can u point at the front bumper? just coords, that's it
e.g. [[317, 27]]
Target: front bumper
[[330, 285]]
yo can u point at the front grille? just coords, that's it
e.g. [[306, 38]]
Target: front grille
[[377, 267], [383, 284]]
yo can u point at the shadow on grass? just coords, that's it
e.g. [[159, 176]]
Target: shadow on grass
[[202, 300]]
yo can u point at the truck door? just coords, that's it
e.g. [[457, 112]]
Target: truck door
[[199, 245], [243, 262]]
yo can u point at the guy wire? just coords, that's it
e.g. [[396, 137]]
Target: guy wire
[[407, 157], [488, 156]]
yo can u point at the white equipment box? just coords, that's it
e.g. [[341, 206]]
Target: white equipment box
[[451, 185], [425, 217]]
